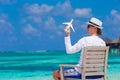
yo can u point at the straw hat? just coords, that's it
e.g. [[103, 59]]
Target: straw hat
[[95, 22]]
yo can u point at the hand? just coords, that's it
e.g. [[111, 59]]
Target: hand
[[67, 30]]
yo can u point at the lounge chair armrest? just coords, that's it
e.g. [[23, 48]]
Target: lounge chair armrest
[[69, 65]]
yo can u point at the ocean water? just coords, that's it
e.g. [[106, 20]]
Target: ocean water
[[40, 65]]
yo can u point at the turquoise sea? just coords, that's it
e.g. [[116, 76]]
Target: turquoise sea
[[40, 65]]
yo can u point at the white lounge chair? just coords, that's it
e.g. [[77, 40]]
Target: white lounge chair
[[94, 64]]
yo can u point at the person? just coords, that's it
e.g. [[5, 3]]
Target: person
[[94, 28]]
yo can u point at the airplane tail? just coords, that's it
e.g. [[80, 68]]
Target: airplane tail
[[72, 28]]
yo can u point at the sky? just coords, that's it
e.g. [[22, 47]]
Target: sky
[[35, 25]]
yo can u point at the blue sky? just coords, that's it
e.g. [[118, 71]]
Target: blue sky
[[33, 25]]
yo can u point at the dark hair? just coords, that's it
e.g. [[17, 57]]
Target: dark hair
[[99, 31]]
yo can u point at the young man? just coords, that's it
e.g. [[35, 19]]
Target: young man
[[94, 29]]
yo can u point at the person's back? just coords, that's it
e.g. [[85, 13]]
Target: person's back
[[94, 41]]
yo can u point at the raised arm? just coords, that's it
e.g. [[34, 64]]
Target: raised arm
[[69, 48]]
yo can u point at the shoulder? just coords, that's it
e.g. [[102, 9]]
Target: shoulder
[[102, 41], [86, 37], [83, 39]]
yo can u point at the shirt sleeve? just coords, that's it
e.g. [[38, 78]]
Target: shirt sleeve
[[75, 48]]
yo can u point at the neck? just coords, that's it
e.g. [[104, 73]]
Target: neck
[[94, 34]]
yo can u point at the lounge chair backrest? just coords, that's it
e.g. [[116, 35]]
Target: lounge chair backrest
[[94, 64], [94, 61]]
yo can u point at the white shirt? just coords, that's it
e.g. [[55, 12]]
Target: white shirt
[[83, 42]]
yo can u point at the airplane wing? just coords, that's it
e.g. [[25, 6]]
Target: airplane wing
[[71, 21], [72, 28], [66, 23]]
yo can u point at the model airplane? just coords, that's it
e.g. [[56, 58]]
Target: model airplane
[[70, 25]]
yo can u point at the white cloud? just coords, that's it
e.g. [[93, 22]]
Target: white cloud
[[113, 12], [2, 21], [5, 26], [34, 18], [68, 11], [38, 9], [112, 24], [50, 24], [36, 13], [84, 12], [45, 15], [7, 29], [116, 16], [64, 9], [29, 29], [115, 21]]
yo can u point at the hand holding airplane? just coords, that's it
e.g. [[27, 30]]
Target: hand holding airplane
[[69, 25]]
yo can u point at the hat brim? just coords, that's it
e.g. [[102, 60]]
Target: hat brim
[[94, 25]]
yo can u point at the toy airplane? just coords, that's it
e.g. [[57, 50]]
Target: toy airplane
[[70, 25]]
